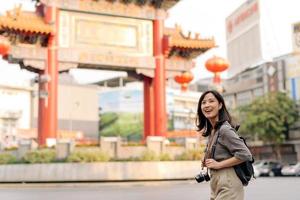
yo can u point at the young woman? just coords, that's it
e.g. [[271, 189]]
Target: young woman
[[215, 122]]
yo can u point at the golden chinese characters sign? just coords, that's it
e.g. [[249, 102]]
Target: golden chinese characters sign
[[106, 34]]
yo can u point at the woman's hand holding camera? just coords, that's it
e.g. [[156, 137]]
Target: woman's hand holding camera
[[212, 164]]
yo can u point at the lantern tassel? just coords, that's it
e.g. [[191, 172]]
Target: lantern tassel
[[217, 78], [184, 87]]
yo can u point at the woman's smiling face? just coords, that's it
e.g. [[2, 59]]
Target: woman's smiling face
[[210, 107]]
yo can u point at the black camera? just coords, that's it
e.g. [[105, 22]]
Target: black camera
[[202, 177]]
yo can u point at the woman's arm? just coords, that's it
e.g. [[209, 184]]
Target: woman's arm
[[213, 164], [234, 144]]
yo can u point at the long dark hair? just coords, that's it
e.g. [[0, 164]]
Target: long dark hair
[[203, 123]]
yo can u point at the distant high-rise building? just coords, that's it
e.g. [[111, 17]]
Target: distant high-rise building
[[244, 44], [256, 32]]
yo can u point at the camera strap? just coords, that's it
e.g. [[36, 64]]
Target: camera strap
[[208, 148], [213, 148]]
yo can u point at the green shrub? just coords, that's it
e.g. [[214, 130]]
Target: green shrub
[[40, 156], [13, 148], [165, 157], [148, 156], [6, 158], [129, 159], [195, 154], [84, 156]]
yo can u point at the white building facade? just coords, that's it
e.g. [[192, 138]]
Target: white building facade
[[258, 31], [15, 112]]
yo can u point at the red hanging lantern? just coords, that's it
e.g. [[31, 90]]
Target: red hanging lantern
[[216, 65], [184, 79], [4, 46]]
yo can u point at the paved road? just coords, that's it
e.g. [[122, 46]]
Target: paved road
[[284, 188]]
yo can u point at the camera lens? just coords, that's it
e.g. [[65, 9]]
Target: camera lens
[[202, 177], [206, 177], [199, 178]]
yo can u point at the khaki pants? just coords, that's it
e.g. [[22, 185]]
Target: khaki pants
[[225, 185]]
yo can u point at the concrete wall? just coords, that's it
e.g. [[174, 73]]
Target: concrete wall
[[106, 171], [114, 147], [131, 151]]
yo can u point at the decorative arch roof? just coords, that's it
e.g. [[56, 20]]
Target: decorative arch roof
[[185, 46], [23, 21], [163, 4]]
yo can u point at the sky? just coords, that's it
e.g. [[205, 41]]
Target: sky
[[206, 17]]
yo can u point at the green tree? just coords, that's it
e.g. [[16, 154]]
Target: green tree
[[269, 118]]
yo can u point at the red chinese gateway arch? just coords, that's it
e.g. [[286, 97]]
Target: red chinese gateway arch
[[100, 34]]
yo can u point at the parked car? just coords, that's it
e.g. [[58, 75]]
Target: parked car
[[267, 168], [291, 170]]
